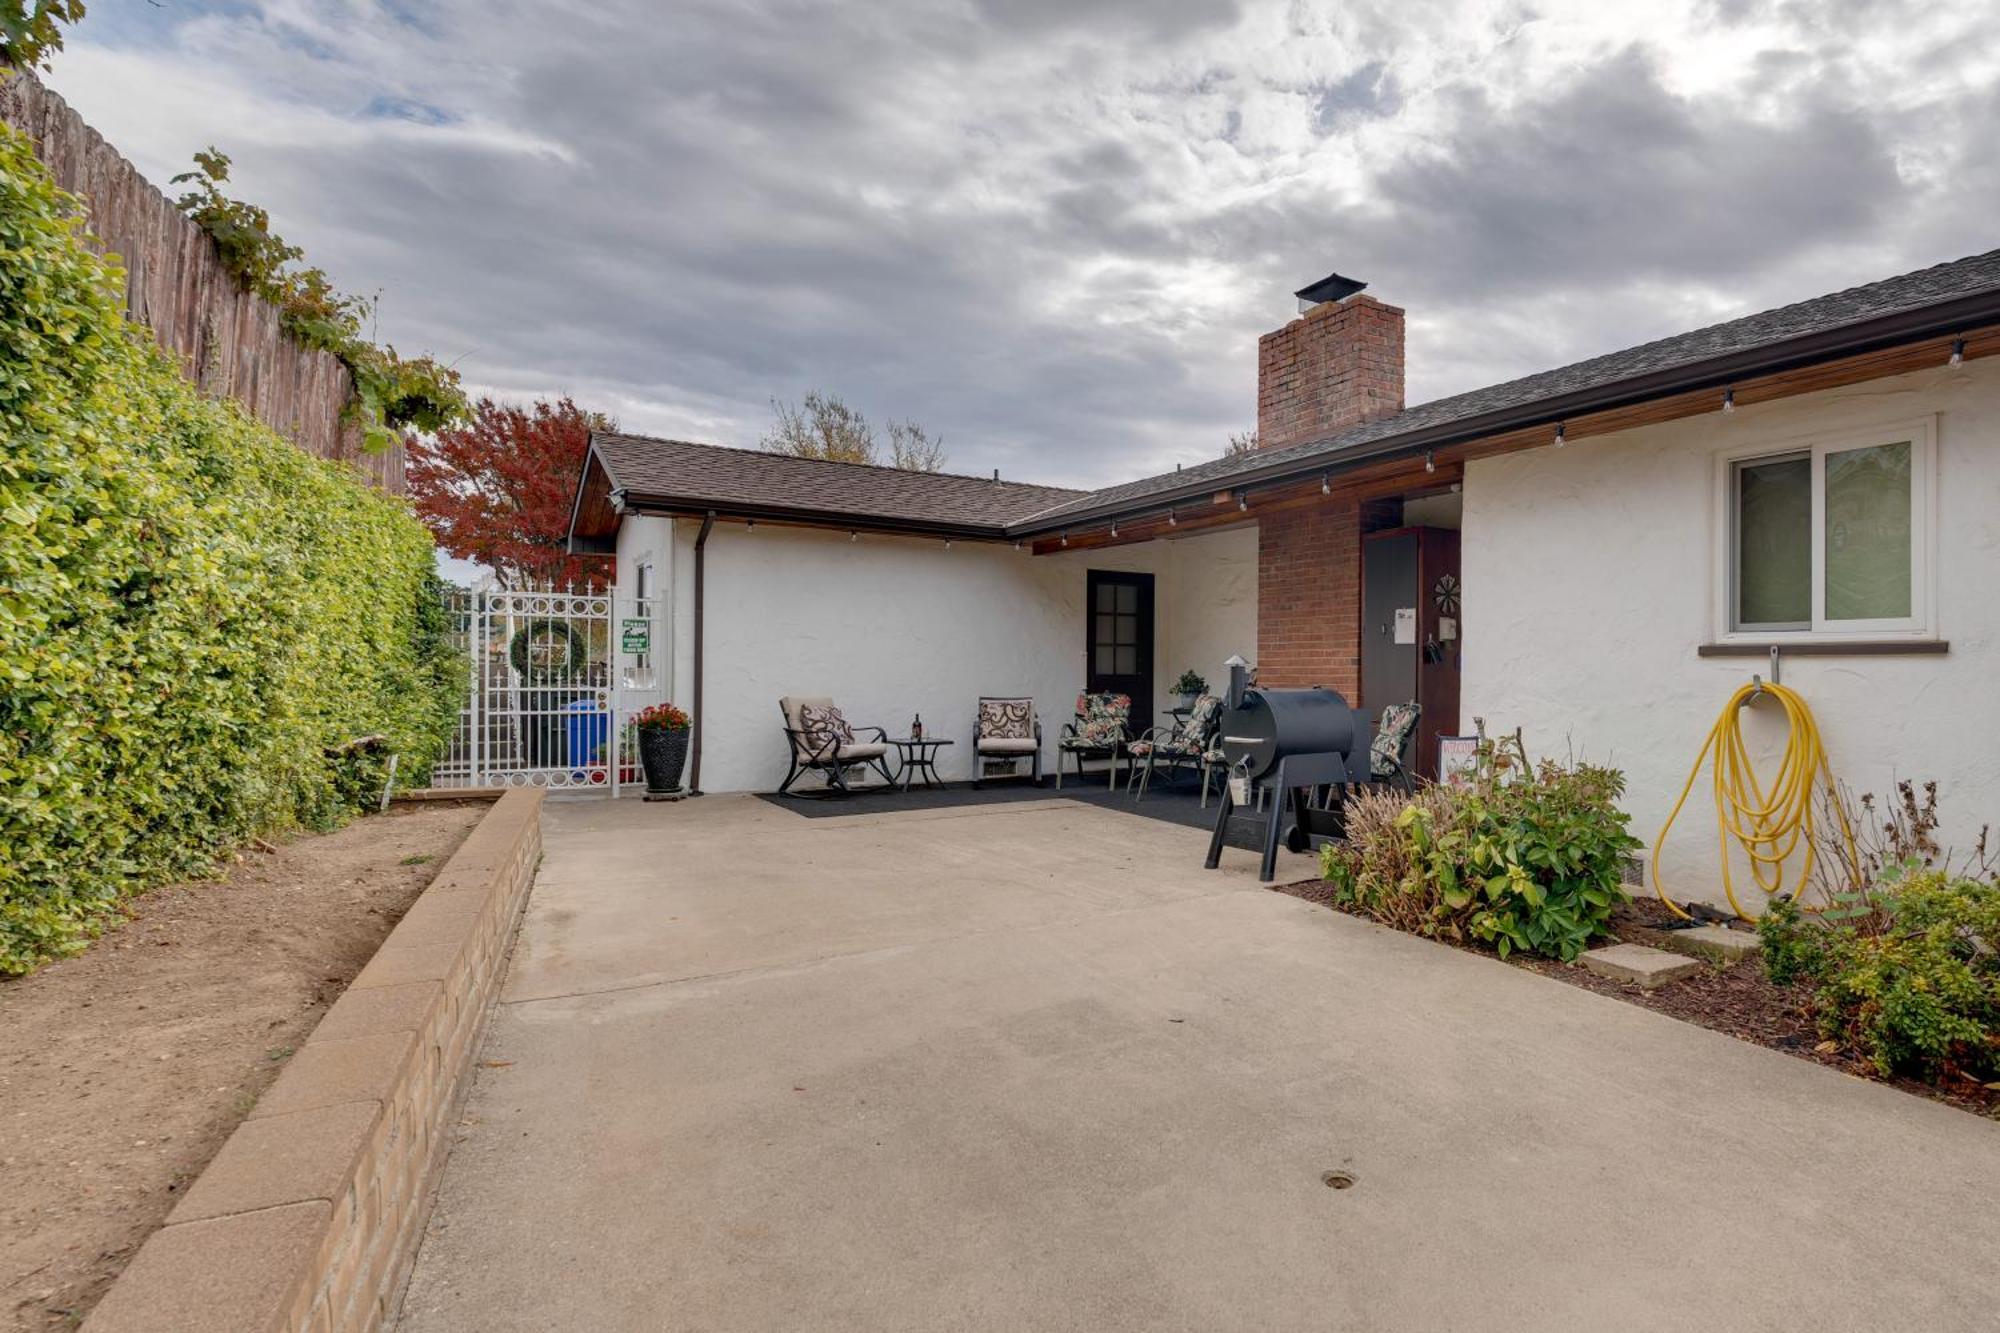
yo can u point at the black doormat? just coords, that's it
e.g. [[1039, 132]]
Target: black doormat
[[1175, 804]]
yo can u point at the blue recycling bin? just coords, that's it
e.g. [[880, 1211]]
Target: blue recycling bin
[[589, 726]]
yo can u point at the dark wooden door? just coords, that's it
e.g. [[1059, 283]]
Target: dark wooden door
[[1415, 571], [1119, 642]]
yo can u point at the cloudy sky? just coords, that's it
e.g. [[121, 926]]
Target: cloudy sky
[[1051, 230]]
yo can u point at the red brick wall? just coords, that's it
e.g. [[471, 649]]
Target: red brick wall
[[1334, 366], [1337, 365]]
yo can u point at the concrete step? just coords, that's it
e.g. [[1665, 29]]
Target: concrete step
[[1717, 944], [1639, 965]]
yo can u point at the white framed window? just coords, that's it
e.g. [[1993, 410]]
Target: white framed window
[[1829, 537], [642, 608]]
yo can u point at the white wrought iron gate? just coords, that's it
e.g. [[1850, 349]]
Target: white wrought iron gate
[[554, 677]]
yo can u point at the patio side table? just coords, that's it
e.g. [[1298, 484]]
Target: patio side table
[[918, 758]]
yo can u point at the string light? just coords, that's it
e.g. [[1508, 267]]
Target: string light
[[1430, 460], [749, 525], [1957, 353], [1065, 539], [854, 536], [1173, 519], [1562, 435], [947, 543], [1728, 401], [1325, 484], [1242, 501], [1114, 527]]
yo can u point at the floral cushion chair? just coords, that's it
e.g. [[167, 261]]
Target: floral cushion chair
[[823, 741], [1183, 745], [1389, 756], [1006, 729], [1097, 733]]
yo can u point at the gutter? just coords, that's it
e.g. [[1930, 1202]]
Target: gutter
[[638, 502], [1957, 316], [700, 595]]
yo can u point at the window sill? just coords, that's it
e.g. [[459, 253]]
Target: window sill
[[1826, 648]]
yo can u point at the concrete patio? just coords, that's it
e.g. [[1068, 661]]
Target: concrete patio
[[1027, 1066]]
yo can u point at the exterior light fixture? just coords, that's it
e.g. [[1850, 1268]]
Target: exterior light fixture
[[1562, 435], [1957, 353], [1430, 460], [1728, 401]]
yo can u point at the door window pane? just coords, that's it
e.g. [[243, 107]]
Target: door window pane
[[1128, 661], [1774, 542], [1105, 592], [1128, 599], [1105, 659], [1868, 533]]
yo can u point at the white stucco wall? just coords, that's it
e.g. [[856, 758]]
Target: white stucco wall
[[1589, 579], [891, 627]]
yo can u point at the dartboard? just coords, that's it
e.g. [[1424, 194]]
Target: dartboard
[[1446, 594]]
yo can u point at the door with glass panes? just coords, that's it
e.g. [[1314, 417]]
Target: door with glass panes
[[1120, 645]]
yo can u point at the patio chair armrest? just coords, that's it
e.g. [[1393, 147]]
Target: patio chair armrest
[[881, 736]]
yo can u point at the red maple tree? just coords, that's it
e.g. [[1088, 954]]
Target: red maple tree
[[499, 489]]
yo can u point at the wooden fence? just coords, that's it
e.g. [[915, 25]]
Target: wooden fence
[[227, 340]]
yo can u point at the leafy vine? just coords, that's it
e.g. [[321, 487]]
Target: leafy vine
[[391, 392]]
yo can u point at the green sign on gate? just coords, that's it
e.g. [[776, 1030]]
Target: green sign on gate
[[636, 636]]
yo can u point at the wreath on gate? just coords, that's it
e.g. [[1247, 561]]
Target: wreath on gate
[[544, 648]]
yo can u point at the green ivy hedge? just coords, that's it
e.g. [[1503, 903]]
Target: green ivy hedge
[[192, 611]]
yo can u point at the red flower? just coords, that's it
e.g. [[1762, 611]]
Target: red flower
[[661, 717]]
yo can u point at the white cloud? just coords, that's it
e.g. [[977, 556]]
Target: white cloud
[[1052, 231]]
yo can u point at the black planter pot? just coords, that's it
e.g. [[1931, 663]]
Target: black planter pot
[[663, 754]]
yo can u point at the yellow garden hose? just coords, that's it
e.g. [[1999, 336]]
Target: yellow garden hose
[[1769, 824]]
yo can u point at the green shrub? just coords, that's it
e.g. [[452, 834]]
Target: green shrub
[[1906, 972], [1533, 864], [191, 609]]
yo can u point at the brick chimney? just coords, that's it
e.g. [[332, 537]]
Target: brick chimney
[[1338, 364]]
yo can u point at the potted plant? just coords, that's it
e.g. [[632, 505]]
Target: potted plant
[[663, 749], [1190, 687]]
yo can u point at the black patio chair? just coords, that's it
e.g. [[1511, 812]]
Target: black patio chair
[[1006, 729], [823, 742]]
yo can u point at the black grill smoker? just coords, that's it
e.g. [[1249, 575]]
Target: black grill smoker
[[1288, 744]]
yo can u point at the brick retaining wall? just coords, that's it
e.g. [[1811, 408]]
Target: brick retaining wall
[[308, 1219]]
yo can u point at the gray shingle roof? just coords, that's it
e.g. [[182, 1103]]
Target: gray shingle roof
[[1903, 308], [1939, 284], [709, 475]]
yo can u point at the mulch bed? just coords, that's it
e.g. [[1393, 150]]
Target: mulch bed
[[1739, 1001]]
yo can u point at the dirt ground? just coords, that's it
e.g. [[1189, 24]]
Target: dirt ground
[[122, 1070], [1740, 1000]]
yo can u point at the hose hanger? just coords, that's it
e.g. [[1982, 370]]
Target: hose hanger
[[1768, 823]]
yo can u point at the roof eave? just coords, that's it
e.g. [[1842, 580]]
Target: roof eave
[[1945, 317], [649, 502]]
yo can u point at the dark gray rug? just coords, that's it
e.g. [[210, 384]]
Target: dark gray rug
[[1173, 804]]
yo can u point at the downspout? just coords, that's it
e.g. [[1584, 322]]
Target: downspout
[[700, 591]]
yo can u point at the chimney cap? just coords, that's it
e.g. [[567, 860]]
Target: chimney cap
[[1332, 287]]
